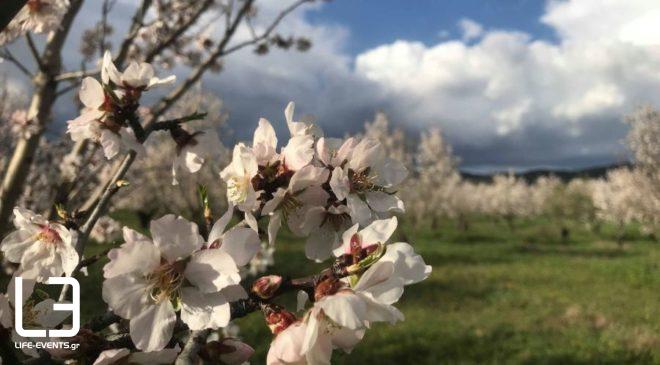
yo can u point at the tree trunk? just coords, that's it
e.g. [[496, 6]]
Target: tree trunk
[[40, 109], [565, 235]]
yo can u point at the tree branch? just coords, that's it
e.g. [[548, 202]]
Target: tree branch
[[177, 33], [136, 23], [6, 54], [34, 51]]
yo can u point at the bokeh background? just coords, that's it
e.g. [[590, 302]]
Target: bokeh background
[[528, 128]]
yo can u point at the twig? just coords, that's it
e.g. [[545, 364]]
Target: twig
[[136, 23], [34, 51], [66, 76], [173, 123], [6, 54], [268, 30], [178, 32]]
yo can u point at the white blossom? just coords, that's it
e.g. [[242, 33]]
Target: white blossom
[[43, 248]]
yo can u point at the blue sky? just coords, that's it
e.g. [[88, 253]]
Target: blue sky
[[374, 22], [511, 83]]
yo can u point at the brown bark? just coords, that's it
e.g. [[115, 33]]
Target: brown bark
[[40, 111]]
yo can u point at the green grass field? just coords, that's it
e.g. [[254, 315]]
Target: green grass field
[[497, 296]]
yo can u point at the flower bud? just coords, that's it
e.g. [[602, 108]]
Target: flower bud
[[266, 286], [329, 286], [279, 320], [228, 351]]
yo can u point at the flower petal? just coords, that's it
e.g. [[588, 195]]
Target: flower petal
[[152, 328], [175, 237]]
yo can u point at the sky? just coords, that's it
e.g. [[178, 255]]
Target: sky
[[511, 83]]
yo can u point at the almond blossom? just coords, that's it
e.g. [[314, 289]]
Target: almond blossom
[[366, 182], [258, 174], [43, 248], [109, 105], [37, 16], [193, 150], [148, 280]]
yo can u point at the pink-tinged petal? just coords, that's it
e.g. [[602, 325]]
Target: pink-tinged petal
[[175, 237], [274, 225], [14, 245], [369, 152], [301, 300], [138, 74], [319, 246], [345, 151], [242, 352], [298, 152], [308, 176], [378, 232], [28, 220], [241, 244], [152, 328], [6, 313], [212, 270], [286, 346], [265, 135], [133, 256], [127, 295], [378, 272], [109, 71], [340, 184], [391, 172], [155, 81], [346, 309], [359, 210], [91, 93], [69, 258], [111, 143], [346, 339], [384, 203], [204, 310], [109, 357], [345, 246], [164, 356], [408, 264], [131, 235], [380, 312], [219, 226]]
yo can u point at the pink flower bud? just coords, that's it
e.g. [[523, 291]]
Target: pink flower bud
[[279, 320], [266, 286]]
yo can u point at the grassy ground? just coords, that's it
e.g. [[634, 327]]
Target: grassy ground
[[497, 296]]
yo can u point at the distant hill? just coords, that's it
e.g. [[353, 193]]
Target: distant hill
[[565, 175]]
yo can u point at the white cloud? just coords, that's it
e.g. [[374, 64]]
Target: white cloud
[[470, 29], [489, 91], [502, 96]]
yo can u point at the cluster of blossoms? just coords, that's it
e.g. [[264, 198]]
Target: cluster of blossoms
[[344, 308], [315, 184], [109, 106], [340, 194], [148, 280], [37, 16]]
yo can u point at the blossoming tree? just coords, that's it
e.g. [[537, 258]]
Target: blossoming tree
[[176, 286]]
